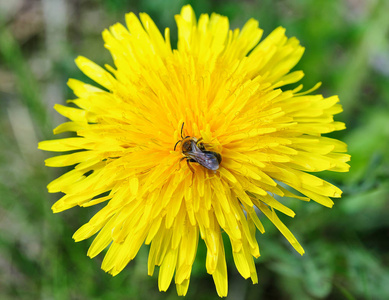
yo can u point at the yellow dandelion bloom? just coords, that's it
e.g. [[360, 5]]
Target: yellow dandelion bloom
[[196, 141]]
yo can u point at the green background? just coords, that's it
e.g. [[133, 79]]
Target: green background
[[347, 257]]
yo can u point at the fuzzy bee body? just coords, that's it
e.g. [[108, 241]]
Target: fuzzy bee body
[[207, 159], [194, 151]]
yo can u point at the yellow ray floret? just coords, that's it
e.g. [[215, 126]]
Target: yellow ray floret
[[201, 141]]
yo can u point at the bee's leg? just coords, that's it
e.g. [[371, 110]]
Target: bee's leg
[[179, 163], [200, 144], [190, 167], [192, 179]]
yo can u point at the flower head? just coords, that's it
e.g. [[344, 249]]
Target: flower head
[[197, 141]]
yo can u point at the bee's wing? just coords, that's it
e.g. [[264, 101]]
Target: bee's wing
[[206, 159]]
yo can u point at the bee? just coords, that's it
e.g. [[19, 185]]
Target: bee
[[194, 150]]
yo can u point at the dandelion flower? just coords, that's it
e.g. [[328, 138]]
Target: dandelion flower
[[224, 91]]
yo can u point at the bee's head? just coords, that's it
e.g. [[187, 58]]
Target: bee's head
[[186, 144]]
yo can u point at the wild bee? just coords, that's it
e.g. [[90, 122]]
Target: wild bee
[[194, 150]]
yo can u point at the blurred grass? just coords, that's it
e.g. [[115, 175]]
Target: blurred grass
[[346, 247]]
